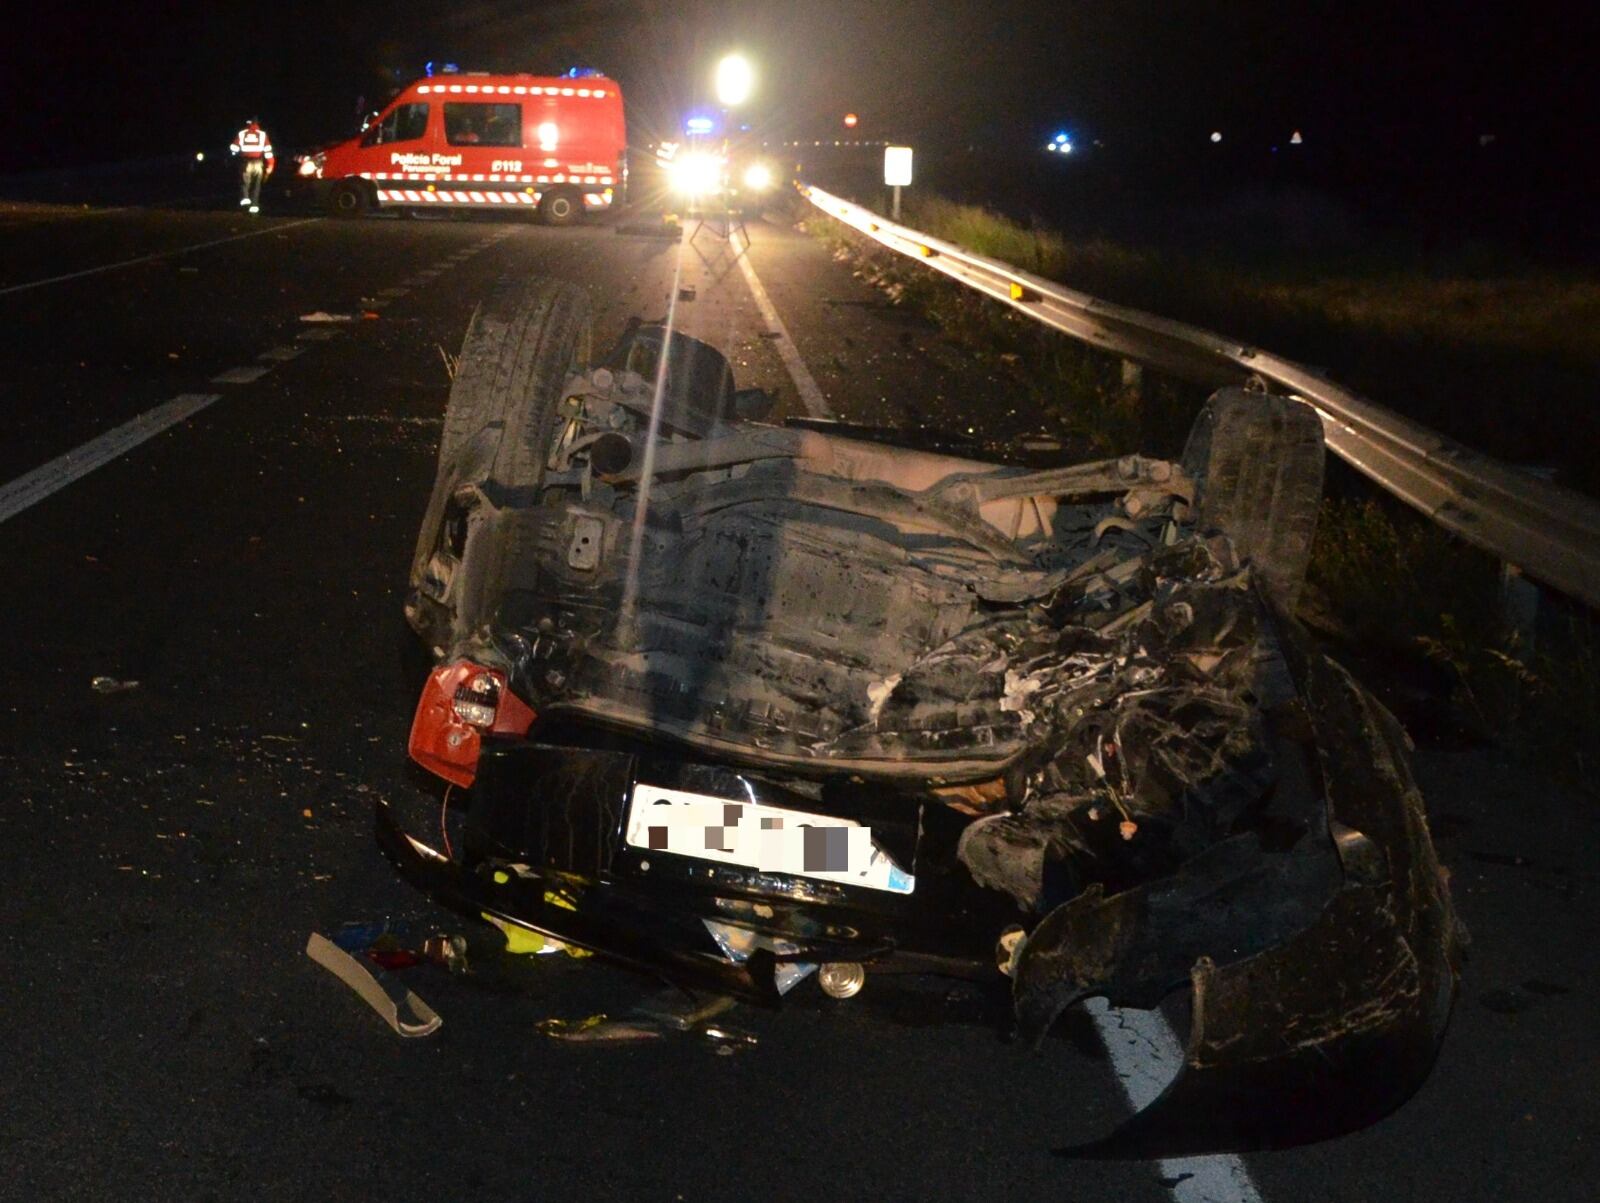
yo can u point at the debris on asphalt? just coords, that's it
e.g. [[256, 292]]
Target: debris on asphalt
[[686, 294], [380, 933], [401, 1009], [598, 1029], [112, 685], [682, 1011], [727, 1041], [323, 316], [522, 942], [447, 951]]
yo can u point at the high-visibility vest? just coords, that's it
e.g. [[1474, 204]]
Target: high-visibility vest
[[252, 144]]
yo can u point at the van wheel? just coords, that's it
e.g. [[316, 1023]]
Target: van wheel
[[349, 198], [521, 345], [560, 208]]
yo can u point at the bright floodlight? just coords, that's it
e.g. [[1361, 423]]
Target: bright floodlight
[[696, 174], [736, 79], [1216, 135], [758, 177]]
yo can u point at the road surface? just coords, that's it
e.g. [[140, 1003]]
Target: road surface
[[166, 848]]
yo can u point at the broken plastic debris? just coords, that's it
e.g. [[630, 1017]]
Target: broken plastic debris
[[323, 316], [401, 1009], [112, 685]]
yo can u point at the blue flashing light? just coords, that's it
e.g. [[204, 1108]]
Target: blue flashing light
[[699, 125], [582, 73]]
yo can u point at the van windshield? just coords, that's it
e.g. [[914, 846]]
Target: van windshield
[[403, 123]]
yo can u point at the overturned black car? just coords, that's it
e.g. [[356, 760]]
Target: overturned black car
[[739, 701]]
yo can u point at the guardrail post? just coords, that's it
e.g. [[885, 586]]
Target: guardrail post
[[1132, 378], [1519, 606], [1519, 594]]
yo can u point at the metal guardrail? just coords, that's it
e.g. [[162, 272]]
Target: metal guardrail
[[1543, 530]]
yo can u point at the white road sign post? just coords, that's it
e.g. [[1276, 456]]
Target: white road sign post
[[896, 172]]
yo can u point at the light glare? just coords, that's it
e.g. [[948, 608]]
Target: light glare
[[696, 174], [736, 79]]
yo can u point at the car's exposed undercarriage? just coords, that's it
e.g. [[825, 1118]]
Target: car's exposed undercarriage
[[1088, 746]]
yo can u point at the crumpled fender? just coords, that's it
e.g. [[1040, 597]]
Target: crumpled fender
[[1317, 1034]]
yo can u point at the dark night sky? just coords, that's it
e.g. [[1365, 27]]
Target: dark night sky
[[94, 83]]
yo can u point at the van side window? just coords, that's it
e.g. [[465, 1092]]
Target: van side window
[[478, 124], [403, 123]]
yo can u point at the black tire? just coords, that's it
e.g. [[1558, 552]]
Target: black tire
[[350, 198], [520, 346], [560, 207], [1258, 462]]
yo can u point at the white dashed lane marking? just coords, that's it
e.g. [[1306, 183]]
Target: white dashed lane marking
[[33, 487], [247, 375], [1144, 1050], [182, 250], [1146, 1056]]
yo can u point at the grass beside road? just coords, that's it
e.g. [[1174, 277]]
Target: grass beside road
[[1494, 350], [1504, 356]]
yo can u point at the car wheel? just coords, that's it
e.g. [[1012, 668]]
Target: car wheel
[[520, 346], [349, 198], [1257, 460], [560, 208]]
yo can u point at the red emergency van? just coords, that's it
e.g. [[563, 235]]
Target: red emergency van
[[470, 141]]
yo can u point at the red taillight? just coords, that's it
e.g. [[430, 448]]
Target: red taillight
[[460, 702]]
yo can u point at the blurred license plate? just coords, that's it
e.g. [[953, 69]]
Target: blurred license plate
[[757, 836]]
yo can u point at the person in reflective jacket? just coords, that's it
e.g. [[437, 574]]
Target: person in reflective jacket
[[254, 150]]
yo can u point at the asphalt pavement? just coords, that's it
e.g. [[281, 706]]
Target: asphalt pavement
[[169, 840]]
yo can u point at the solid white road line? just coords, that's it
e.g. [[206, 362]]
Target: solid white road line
[[810, 395], [182, 250], [1146, 1055], [35, 486]]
